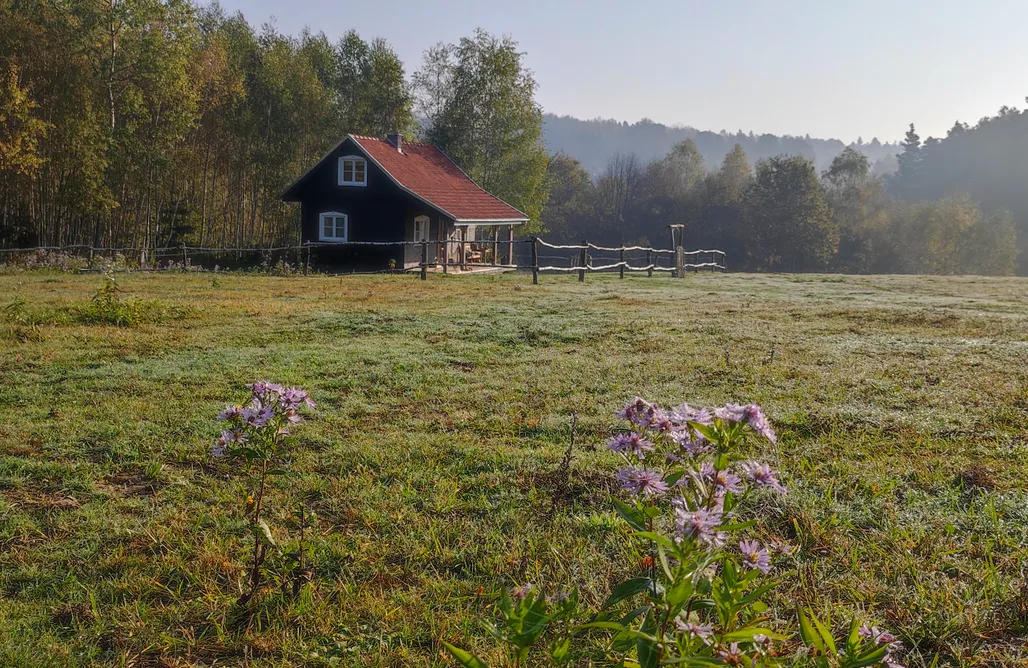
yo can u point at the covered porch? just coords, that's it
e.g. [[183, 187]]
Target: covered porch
[[463, 246]]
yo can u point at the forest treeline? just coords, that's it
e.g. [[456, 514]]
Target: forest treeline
[[593, 141], [782, 215], [148, 123]]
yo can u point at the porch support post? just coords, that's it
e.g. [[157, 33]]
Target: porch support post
[[444, 239], [496, 242], [510, 245], [464, 248]]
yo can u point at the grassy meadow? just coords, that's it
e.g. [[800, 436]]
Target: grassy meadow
[[432, 459]]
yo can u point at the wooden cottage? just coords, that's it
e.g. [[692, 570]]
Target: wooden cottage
[[369, 189]]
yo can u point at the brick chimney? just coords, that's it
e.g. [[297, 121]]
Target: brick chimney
[[397, 141]]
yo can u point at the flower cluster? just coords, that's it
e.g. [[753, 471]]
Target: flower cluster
[[880, 637], [272, 407], [697, 487], [695, 595]]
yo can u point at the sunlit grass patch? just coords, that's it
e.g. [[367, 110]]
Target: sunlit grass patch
[[443, 411]]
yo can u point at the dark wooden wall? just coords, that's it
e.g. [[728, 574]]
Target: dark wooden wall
[[379, 211]]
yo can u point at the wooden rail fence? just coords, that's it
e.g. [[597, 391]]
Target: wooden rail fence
[[584, 258]]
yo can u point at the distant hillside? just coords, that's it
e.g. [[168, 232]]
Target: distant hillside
[[594, 142]]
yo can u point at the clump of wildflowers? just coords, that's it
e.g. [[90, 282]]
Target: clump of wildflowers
[[256, 435], [697, 600]]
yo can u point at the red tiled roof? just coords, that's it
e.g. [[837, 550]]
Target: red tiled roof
[[428, 173]]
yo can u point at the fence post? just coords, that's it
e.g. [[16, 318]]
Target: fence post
[[679, 262], [649, 265], [307, 263], [185, 258], [621, 263], [535, 260], [582, 261], [424, 260]]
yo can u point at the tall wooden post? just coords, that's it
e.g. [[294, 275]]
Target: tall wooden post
[[649, 265], [535, 260], [582, 261], [463, 255], [185, 258], [424, 259], [510, 244], [680, 262], [621, 263], [496, 243]]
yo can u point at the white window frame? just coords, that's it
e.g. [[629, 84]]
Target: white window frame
[[427, 222], [335, 227], [356, 160]]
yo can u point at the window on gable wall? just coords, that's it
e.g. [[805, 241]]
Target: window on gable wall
[[353, 171], [332, 226], [421, 227]]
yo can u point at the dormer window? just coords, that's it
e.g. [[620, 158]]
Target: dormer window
[[353, 171]]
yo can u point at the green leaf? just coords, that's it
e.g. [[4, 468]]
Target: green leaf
[[869, 659], [656, 538], [680, 592], [466, 659], [853, 639], [708, 432], [626, 589], [610, 626], [810, 637], [674, 478], [631, 514], [826, 635], [560, 650], [646, 645], [278, 472]]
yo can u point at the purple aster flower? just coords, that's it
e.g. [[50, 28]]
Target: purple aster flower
[[700, 525], [642, 481], [685, 413], [292, 398], [733, 656], [731, 413], [230, 413], [229, 436], [258, 417], [702, 631], [265, 392], [762, 475], [879, 636], [294, 417], [642, 413], [521, 592], [691, 444], [632, 443], [723, 481], [755, 556], [759, 423], [218, 450]]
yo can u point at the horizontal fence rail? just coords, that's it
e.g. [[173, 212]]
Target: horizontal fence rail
[[588, 257]]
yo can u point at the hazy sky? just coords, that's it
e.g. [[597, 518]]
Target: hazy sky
[[830, 68]]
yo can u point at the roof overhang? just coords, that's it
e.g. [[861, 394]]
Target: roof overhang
[[490, 221]]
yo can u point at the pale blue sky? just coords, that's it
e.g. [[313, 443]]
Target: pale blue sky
[[830, 68]]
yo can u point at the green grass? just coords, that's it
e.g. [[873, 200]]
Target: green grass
[[901, 402]]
